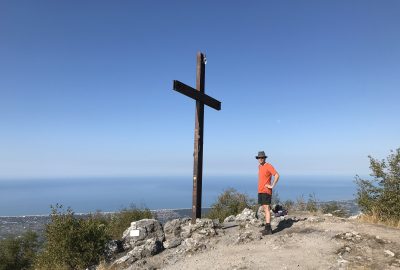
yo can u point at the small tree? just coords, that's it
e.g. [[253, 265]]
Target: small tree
[[120, 221], [381, 195], [230, 202], [72, 242], [18, 252]]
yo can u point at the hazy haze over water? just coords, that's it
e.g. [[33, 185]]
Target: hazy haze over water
[[34, 196]]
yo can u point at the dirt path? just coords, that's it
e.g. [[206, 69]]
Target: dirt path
[[299, 241]]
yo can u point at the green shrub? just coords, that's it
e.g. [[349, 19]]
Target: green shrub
[[230, 202], [300, 203], [334, 208], [120, 221], [380, 196], [288, 205], [18, 252], [312, 205], [72, 242]]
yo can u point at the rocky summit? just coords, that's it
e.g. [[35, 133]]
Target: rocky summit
[[299, 241]]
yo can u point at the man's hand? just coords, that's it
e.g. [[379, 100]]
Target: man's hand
[[268, 186]]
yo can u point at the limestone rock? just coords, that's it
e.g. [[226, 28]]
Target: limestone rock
[[172, 231], [350, 236], [355, 216], [189, 237], [389, 253], [173, 227], [140, 231], [112, 248], [171, 243], [315, 219], [246, 215], [191, 245], [203, 227], [244, 237], [275, 222], [196, 236], [230, 219], [121, 260], [149, 248], [261, 214]]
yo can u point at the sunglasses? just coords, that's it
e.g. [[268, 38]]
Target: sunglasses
[[261, 158]]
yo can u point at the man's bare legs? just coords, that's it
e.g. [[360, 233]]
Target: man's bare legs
[[268, 229], [267, 214]]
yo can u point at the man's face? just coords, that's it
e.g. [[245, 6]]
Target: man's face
[[261, 160]]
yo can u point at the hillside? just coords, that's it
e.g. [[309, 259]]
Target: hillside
[[300, 241]]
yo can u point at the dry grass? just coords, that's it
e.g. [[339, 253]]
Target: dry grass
[[374, 218], [105, 266]]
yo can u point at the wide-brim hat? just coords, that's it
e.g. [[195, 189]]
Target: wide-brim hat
[[261, 154]]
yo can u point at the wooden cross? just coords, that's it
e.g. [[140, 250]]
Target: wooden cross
[[201, 99]]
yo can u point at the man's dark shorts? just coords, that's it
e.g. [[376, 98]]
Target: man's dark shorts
[[264, 199]]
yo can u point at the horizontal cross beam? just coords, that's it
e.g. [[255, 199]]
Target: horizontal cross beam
[[197, 95]]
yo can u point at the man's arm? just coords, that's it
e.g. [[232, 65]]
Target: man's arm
[[276, 178]]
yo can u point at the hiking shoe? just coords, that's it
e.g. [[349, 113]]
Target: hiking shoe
[[266, 231]]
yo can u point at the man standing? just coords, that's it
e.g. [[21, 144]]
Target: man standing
[[265, 173]]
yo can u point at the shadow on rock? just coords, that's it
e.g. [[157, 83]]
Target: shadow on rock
[[285, 224]]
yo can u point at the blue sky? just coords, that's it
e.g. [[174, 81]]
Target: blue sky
[[86, 86]]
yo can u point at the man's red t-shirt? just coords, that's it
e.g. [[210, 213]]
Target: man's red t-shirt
[[265, 173]]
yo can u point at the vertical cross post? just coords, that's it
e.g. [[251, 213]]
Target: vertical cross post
[[201, 100], [198, 141]]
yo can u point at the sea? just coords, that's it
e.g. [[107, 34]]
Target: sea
[[21, 197]]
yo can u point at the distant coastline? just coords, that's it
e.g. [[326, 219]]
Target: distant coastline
[[16, 225], [34, 197]]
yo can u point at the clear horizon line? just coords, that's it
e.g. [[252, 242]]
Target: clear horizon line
[[88, 177]]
